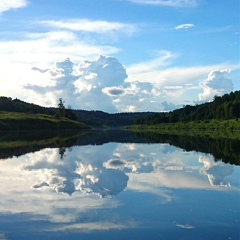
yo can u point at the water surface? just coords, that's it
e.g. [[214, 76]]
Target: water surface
[[126, 188]]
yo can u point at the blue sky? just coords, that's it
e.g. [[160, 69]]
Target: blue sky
[[119, 55]]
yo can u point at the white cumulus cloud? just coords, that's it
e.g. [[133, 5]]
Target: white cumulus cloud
[[99, 84], [105, 84], [6, 5], [216, 84], [179, 85], [80, 85]]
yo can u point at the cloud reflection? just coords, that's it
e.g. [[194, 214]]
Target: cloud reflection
[[106, 170], [186, 226], [96, 226], [92, 174], [68, 176], [217, 172]]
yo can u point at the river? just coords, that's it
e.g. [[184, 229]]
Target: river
[[118, 186]]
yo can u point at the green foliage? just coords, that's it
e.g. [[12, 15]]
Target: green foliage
[[213, 125], [16, 105], [103, 119], [61, 109], [91, 118], [27, 121]]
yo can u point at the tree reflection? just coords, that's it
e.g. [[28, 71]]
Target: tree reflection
[[61, 152], [223, 149]]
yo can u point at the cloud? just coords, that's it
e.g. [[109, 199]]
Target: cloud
[[175, 86], [216, 171], [85, 25], [152, 85], [185, 26], [96, 226], [159, 71], [36, 52], [85, 85], [114, 91], [99, 84], [6, 5], [185, 226], [40, 48], [167, 3], [105, 84], [216, 84]]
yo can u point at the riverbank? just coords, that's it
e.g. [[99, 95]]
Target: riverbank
[[28, 121], [213, 125]]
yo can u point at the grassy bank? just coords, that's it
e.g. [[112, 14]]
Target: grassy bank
[[227, 125], [229, 129], [27, 121]]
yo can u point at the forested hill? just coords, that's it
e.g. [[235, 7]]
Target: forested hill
[[221, 108], [15, 105], [91, 118], [99, 118]]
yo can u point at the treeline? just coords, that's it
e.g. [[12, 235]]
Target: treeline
[[91, 118], [100, 119], [8, 104], [221, 108]]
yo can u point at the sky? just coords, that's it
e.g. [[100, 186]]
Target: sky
[[119, 55]]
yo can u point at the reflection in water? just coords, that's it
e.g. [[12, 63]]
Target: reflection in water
[[71, 174], [216, 171], [61, 152], [106, 170], [151, 189], [225, 149]]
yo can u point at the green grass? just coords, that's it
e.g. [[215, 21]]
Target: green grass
[[212, 128], [228, 125], [27, 121]]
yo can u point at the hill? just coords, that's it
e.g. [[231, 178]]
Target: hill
[[225, 108], [103, 119], [91, 118]]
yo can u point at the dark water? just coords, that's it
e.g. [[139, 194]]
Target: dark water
[[120, 186]]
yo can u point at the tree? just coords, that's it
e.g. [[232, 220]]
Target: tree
[[61, 108]]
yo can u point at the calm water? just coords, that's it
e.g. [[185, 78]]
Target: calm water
[[118, 190]]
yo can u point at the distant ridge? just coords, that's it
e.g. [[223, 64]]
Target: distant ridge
[[91, 118]]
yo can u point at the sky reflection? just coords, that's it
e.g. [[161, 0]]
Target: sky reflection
[[103, 187]]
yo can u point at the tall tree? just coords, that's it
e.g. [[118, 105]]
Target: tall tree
[[61, 108]]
